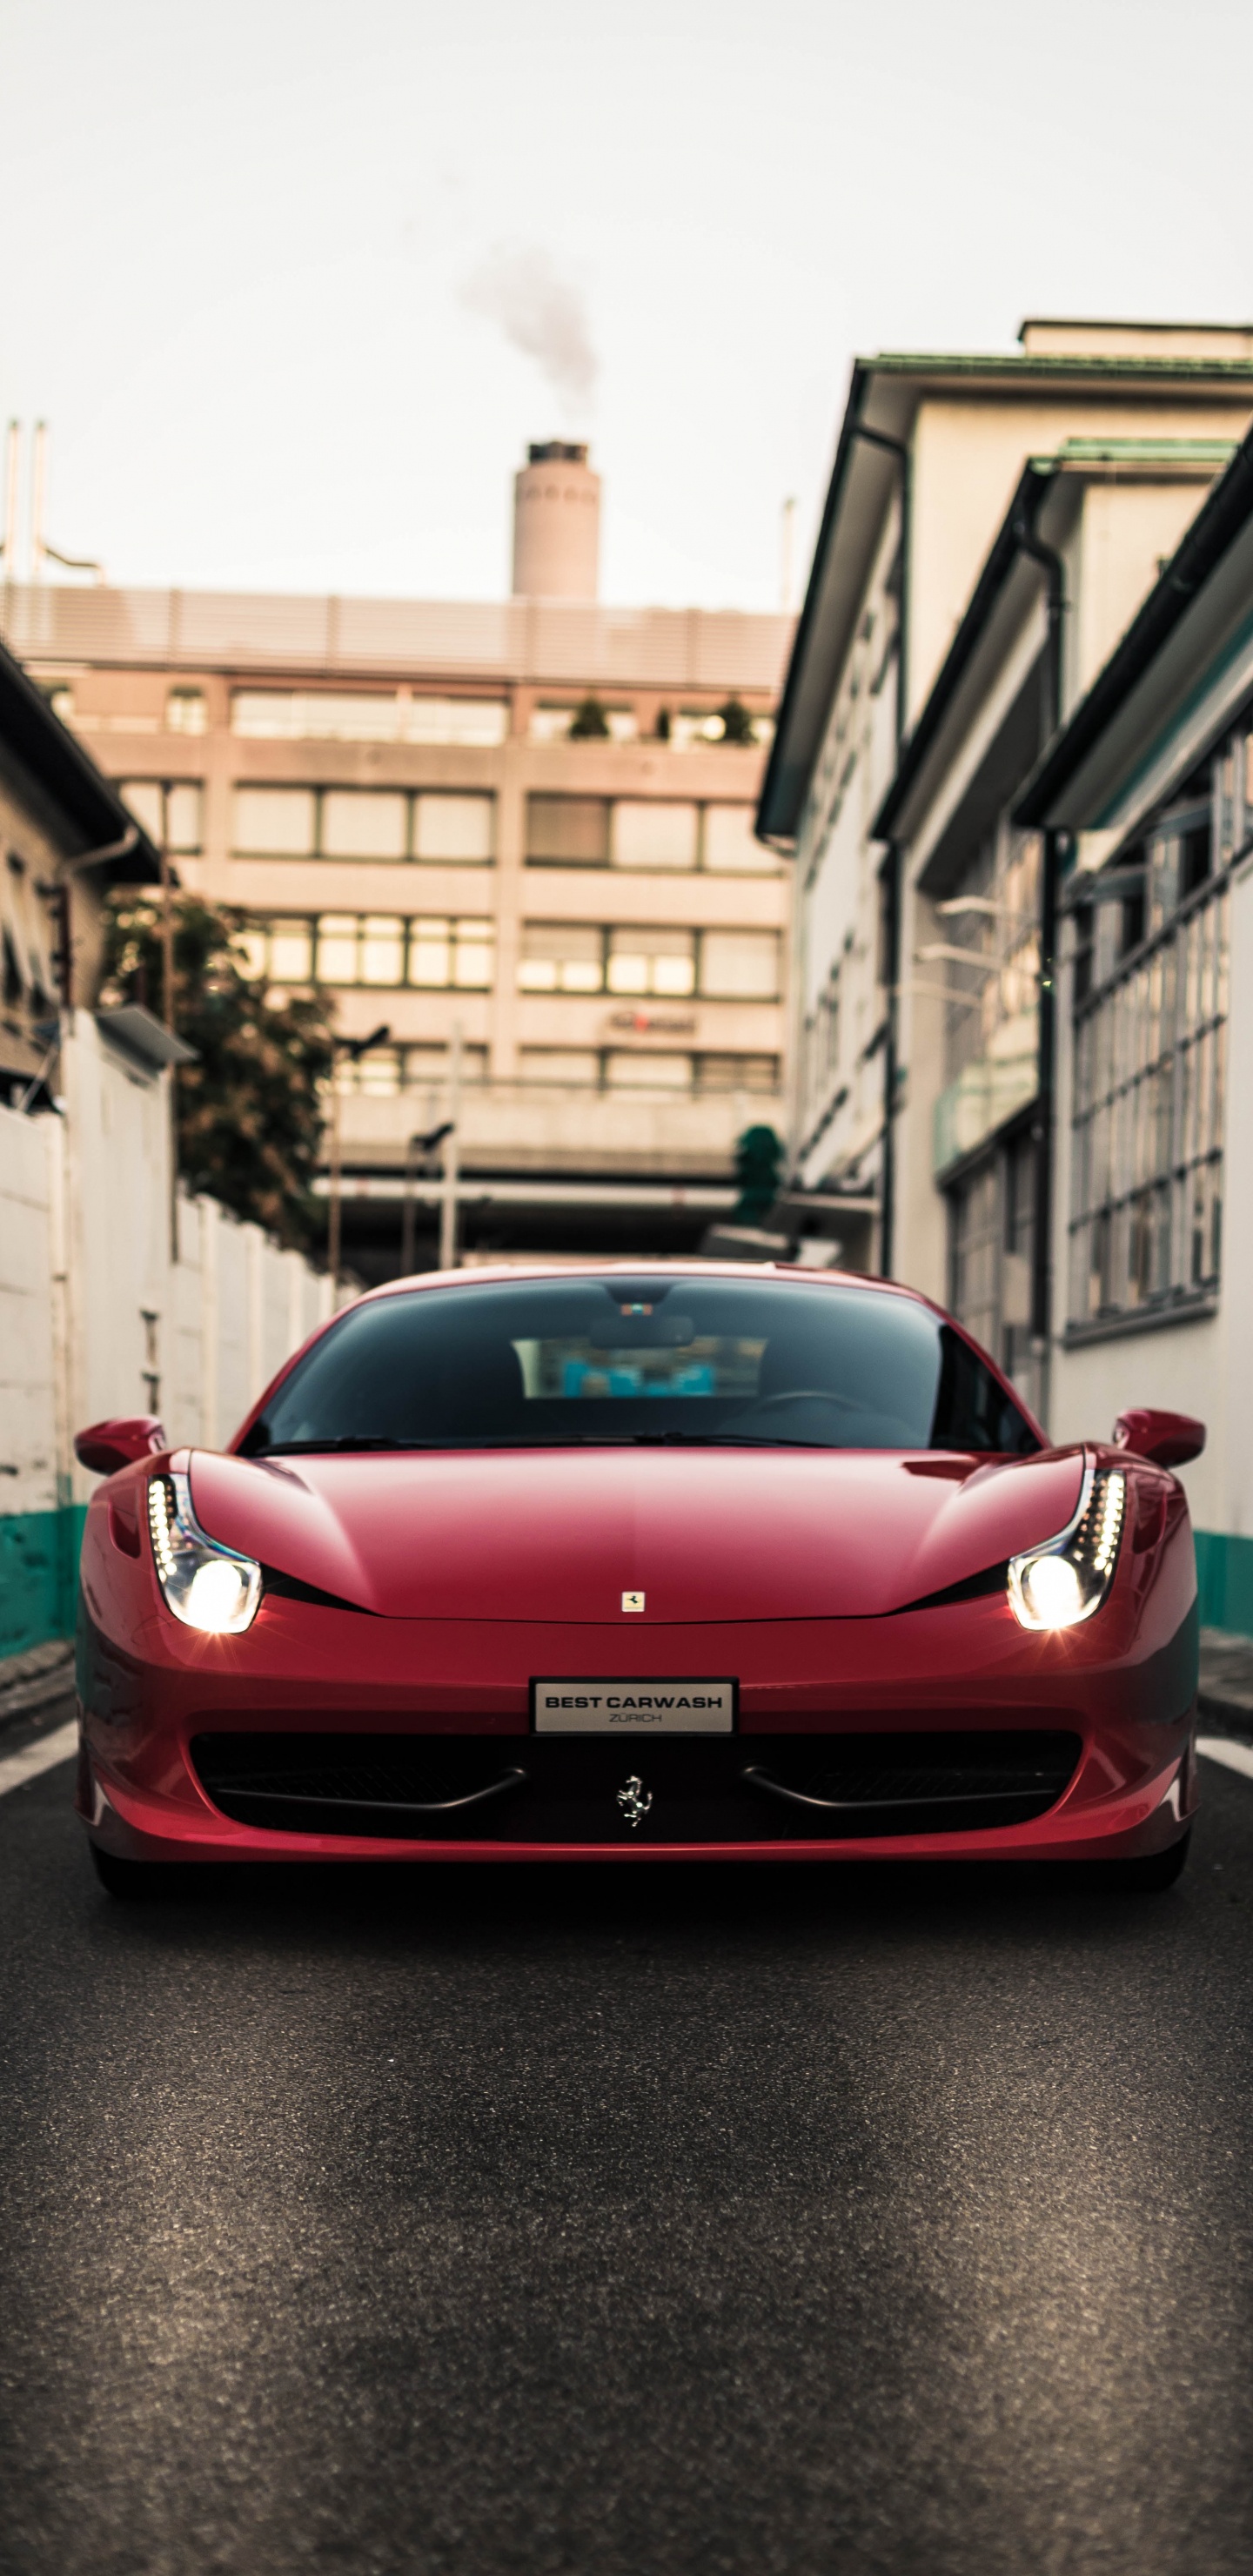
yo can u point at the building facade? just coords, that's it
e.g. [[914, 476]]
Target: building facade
[[522, 832], [992, 527], [1147, 792]]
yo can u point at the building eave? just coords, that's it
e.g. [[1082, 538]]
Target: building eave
[[884, 393], [1071, 785], [83, 809]]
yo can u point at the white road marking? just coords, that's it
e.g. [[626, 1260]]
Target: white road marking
[[1220, 1748], [39, 1756]]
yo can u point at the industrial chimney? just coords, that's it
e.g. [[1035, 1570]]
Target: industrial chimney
[[556, 524]]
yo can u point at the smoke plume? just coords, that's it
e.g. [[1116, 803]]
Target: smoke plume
[[542, 314]]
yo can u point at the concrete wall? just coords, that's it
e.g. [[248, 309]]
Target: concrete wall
[[97, 1317]]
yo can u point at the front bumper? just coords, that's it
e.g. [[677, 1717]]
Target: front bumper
[[810, 1692]]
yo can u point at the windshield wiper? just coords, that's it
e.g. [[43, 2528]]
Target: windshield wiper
[[345, 1440], [724, 1440]]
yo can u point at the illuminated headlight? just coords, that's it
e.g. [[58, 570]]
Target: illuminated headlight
[[1058, 1585], [206, 1586]]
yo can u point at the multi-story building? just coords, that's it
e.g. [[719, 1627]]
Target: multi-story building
[[1148, 790], [991, 528], [521, 832]]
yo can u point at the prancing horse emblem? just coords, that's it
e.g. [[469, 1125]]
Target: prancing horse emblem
[[635, 1800]]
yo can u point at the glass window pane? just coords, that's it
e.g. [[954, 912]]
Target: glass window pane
[[291, 952], [454, 827], [577, 1065], [255, 945], [561, 957], [274, 822], [146, 800], [315, 715], [481, 721], [625, 1072], [363, 824], [430, 952], [474, 955], [731, 845], [185, 711], [567, 831], [337, 948], [740, 965], [182, 815], [654, 835], [382, 949]]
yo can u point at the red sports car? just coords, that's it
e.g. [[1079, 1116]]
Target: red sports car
[[636, 1564]]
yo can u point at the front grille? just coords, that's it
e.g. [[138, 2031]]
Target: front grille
[[529, 1789]]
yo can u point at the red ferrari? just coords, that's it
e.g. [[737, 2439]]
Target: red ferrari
[[639, 1564]]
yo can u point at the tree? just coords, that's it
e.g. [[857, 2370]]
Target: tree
[[589, 722], [737, 723], [250, 1107]]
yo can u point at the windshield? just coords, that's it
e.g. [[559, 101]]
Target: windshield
[[551, 1363]]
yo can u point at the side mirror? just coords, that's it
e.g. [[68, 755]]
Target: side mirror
[[119, 1443], [1167, 1439]]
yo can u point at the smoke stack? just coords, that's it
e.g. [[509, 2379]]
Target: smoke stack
[[556, 524]]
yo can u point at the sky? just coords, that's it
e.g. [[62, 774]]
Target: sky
[[293, 286]]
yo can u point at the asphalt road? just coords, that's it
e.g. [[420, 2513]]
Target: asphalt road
[[642, 2221]]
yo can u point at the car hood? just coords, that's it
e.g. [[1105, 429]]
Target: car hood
[[704, 1534]]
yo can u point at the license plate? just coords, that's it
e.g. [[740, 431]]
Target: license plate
[[633, 1708]]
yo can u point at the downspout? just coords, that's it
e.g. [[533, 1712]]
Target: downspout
[[890, 871], [1043, 1131]]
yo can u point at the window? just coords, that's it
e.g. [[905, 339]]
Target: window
[[740, 965], [373, 948], [170, 814], [552, 723], [737, 1073], [373, 825], [705, 728], [185, 711], [290, 952], [285, 715], [561, 957], [567, 831], [731, 845], [275, 822], [653, 835], [384, 1072], [578, 1066], [652, 961], [453, 828], [363, 823], [627, 1072], [1149, 1058], [458, 953]]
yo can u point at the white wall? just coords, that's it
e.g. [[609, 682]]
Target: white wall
[[93, 1306]]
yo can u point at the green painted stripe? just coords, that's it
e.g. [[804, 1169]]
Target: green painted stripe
[[1224, 1574], [38, 1575]]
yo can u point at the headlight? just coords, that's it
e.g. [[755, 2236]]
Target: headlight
[[206, 1586], [1058, 1585]]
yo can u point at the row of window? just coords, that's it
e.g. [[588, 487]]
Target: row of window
[[402, 716], [384, 1072], [1150, 1065], [439, 951], [458, 828]]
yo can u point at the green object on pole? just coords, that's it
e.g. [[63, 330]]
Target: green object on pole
[[758, 1168]]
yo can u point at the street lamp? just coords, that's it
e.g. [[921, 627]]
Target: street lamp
[[418, 1148], [343, 1051]]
